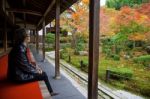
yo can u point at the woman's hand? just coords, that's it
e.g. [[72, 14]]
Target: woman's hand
[[39, 69], [33, 63]]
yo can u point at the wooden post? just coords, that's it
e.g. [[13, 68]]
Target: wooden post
[[5, 27], [37, 41], [34, 39], [5, 35], [50, 27], [57, 24], [93, 49], [107, 75], [43, 41]]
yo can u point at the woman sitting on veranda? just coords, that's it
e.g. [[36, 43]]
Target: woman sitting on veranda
[[20, 70]]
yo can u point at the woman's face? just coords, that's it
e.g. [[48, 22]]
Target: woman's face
[[27, 39]]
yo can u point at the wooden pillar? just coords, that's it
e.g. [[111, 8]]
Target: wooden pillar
[[43, 40], [5, 35], [93, 49], [34, 39], [50, 25], [24, 15], [37, 41], [5, 27], [57, 31]]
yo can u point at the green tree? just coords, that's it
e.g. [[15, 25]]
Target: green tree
[[50, 39], [117, 4]]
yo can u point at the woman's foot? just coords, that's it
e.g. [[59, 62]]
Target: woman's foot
[[54, 94]]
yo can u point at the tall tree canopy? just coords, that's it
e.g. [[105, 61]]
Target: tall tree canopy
[[117, 4]]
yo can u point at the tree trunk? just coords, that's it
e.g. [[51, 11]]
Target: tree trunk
[[74, 38]]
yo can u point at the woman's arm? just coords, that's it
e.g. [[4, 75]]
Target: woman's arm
[[22, 61]]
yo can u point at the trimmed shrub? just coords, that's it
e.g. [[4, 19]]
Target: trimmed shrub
[[145, 60], [65, 45], [63, 54], [121, 73], [65, 39], [115, 57], [84, 65]]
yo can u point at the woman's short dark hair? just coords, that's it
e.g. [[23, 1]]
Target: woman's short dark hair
[[20, 35]]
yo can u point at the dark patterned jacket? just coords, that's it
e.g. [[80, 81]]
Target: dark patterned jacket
[[19, 68]]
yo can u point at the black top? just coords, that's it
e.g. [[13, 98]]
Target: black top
[[19, 67]]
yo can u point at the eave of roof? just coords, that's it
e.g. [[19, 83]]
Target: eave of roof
[[39, 6]]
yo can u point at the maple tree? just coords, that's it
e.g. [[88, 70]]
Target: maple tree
[[118, 4], [77, 24], [130, 22], [128, 25], [145, 9], [107, 16]]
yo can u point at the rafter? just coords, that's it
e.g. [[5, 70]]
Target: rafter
[[24, 11], [46, 12]]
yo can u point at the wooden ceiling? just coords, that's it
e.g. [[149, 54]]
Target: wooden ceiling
[[33, 11]]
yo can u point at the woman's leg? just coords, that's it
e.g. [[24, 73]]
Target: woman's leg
[[44, 77], [39, 77]]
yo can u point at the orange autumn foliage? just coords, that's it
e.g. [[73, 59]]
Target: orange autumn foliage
[[137, 37], [85, 1], [128, 15], [80, 18], [145, 9]]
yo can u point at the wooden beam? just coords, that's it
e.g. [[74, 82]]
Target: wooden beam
[[24, 11], [43, 40], [93, 49], [57, 56], [22, 22], [46, 12], [28, 26]]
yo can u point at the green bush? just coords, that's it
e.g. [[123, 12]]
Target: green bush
[[66, 54], [65, 45], [63, 54], [115, 57], [65, 39], [85, 62], [75, 62], [139, 87], [84, 66], [107, 51], [50, 38], [121, 73], [49, 49], [145, 60], [145, 89], [80, 45]]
